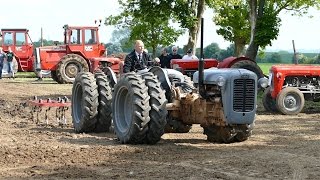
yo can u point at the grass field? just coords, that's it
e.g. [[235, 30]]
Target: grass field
[[265, 67]]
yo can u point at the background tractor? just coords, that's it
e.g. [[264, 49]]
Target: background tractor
[[21, 45], [189, 67], [290, 86], [143, 105], [81, 52]]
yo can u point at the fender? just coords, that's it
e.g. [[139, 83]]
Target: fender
[[229, 61], [162, 76], [111, 76]]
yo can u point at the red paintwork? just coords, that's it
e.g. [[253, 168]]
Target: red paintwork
[[229, 61], [114, 63], [50, 56], [280, 72], [193, 63], [45, 103], [23, 53]]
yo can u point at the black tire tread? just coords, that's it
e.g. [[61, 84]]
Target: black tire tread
[[269, 104], [105, 103], [60, 71], [88, 102], [249, 65], [158, 112], [140, 117]]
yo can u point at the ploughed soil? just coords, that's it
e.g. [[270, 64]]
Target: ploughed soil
[[281, 147]]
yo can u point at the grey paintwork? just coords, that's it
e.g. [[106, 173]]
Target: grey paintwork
[[210, 77]]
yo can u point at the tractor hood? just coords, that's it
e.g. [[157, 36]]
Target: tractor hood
[[215, 75], [53, 48]]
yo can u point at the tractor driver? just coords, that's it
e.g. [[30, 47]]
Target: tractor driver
[[138, 59]]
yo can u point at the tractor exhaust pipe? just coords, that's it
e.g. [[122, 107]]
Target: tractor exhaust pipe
[[202, 90]]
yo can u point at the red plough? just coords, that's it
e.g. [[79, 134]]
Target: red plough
[[61, 105]]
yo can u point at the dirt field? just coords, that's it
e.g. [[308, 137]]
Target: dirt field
[[281, 147]]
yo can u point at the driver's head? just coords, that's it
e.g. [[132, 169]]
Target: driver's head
[[139, 46]]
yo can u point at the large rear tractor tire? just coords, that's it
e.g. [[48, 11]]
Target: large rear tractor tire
[[249, 65], [84, 102], [105, 100], [290, 101], [54, 76], [158, 113], [130, 109], [69, 66], [268, 102]]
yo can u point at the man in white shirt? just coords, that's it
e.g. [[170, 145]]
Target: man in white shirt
[[189, 55]]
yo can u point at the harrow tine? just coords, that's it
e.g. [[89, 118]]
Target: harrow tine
[[61, 105]]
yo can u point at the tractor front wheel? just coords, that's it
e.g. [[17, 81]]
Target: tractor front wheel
[[84, 102], [130, 105], [290, 101], [69, 66]]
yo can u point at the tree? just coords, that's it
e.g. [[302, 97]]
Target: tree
[[211, 51], [234, 23], [265, 21], [148, 21], [275, 58], [113, 48], [226, 52], [121, 37], [189, 13]]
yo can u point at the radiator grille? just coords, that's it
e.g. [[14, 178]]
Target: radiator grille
[[243, 95]]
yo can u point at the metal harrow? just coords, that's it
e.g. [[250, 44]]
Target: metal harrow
[[61, 104]]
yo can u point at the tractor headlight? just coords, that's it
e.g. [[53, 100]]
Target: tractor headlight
[[221, 81], [263, 82]]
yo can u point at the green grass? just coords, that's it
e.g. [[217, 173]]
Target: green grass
[[265, 67]]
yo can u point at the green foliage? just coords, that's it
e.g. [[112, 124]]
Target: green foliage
[[45, 43], [267, 27], [148, 21], [113, 48], [275, 58], [233, 20], [211, 51]]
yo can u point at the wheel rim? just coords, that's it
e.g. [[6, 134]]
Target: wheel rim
[[77, 107], [72, 70], [124, 110], [292, 102]]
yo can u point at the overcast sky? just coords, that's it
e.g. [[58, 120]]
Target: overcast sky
[[52, 15]]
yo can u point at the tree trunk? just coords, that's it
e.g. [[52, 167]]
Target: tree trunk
[[239, 47], [253, 48], [194, 31]]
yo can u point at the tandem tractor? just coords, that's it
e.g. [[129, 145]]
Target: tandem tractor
[[81, 52], [144, 104]]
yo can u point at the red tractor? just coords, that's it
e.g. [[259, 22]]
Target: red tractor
[[290, 86], [188, 67], [81, 52], [21, 45]]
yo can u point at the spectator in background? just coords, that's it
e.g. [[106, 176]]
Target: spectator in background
[[10, 57], [189, 55], [2, 57], [174, 54], [165, 59]]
